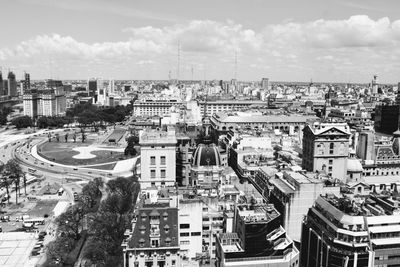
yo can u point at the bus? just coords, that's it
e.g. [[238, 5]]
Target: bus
[[35, 221]]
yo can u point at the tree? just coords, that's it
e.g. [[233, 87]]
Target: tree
[[22, 122], [91, 194], [69, 222], [130, 148], [12, 173], [95, 251], [60, 248]]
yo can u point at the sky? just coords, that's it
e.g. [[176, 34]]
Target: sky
[[285, 40]]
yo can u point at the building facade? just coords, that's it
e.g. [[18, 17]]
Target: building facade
[[158, 158], [326, 148]]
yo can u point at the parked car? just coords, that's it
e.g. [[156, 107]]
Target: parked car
[[5, 218]]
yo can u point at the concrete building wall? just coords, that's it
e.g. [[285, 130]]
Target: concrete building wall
[[190, 213]]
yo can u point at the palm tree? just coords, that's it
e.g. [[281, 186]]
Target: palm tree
[[12, 174]]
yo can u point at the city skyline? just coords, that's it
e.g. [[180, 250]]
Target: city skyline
[[344, 41]]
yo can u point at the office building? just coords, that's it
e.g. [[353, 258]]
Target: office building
[[158, 158], [387, 118], [48, 101], [26, 83], [12, 84], [257, 240], [326, 148], [92, 87], [264, 89], [156, 106], [1, 84], [214, 106], [352, 232], [293, 194]]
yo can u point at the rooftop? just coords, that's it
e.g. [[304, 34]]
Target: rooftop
[[259, 213], [158, 137], [236, 117]]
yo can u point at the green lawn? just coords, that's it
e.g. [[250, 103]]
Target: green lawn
[[62, 153]]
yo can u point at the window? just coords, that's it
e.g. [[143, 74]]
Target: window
[[195, 234], [162, 160], [152, 160], [163, 173], [331, 146], [184, 226], [184, 234], [330, 161], [173, 262], [154, 243], [153, 174]]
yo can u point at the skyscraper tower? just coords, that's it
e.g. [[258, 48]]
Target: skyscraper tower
[[264, 88], [12, 84], [375, 85], [1, 84], [27, 83]]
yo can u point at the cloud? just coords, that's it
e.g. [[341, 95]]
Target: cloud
[[318, 49], [357, 31]]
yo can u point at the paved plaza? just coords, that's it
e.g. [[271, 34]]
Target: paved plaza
[[15, 249]]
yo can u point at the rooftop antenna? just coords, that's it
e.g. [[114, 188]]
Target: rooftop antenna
[[235, 65], [179, 60], [192, 72]]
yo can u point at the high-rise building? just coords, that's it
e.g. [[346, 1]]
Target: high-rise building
[[362, 231], [326, 148], [258, 240], [398, 94], [12, 84], [293, 194], [264, 88], [48, 101], [26, 83], [387, 118], [374, 85], [157, 158], [1, 84], [92, 87]]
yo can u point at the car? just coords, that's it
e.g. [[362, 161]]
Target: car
[[5, 218], [35, 252]]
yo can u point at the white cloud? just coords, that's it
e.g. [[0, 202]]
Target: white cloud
[[315, 47]]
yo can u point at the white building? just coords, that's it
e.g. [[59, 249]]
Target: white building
[[158, 159], [190, 227]]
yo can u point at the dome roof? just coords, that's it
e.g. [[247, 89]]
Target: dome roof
[[354, 165], [207, 155]]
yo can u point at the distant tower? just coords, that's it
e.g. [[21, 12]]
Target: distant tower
[[27, 83], [235, 65], [375, 85], [1, 84], [12, 84], [264, 88], [179, 61]]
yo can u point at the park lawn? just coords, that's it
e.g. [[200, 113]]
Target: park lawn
[[62, 153]]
